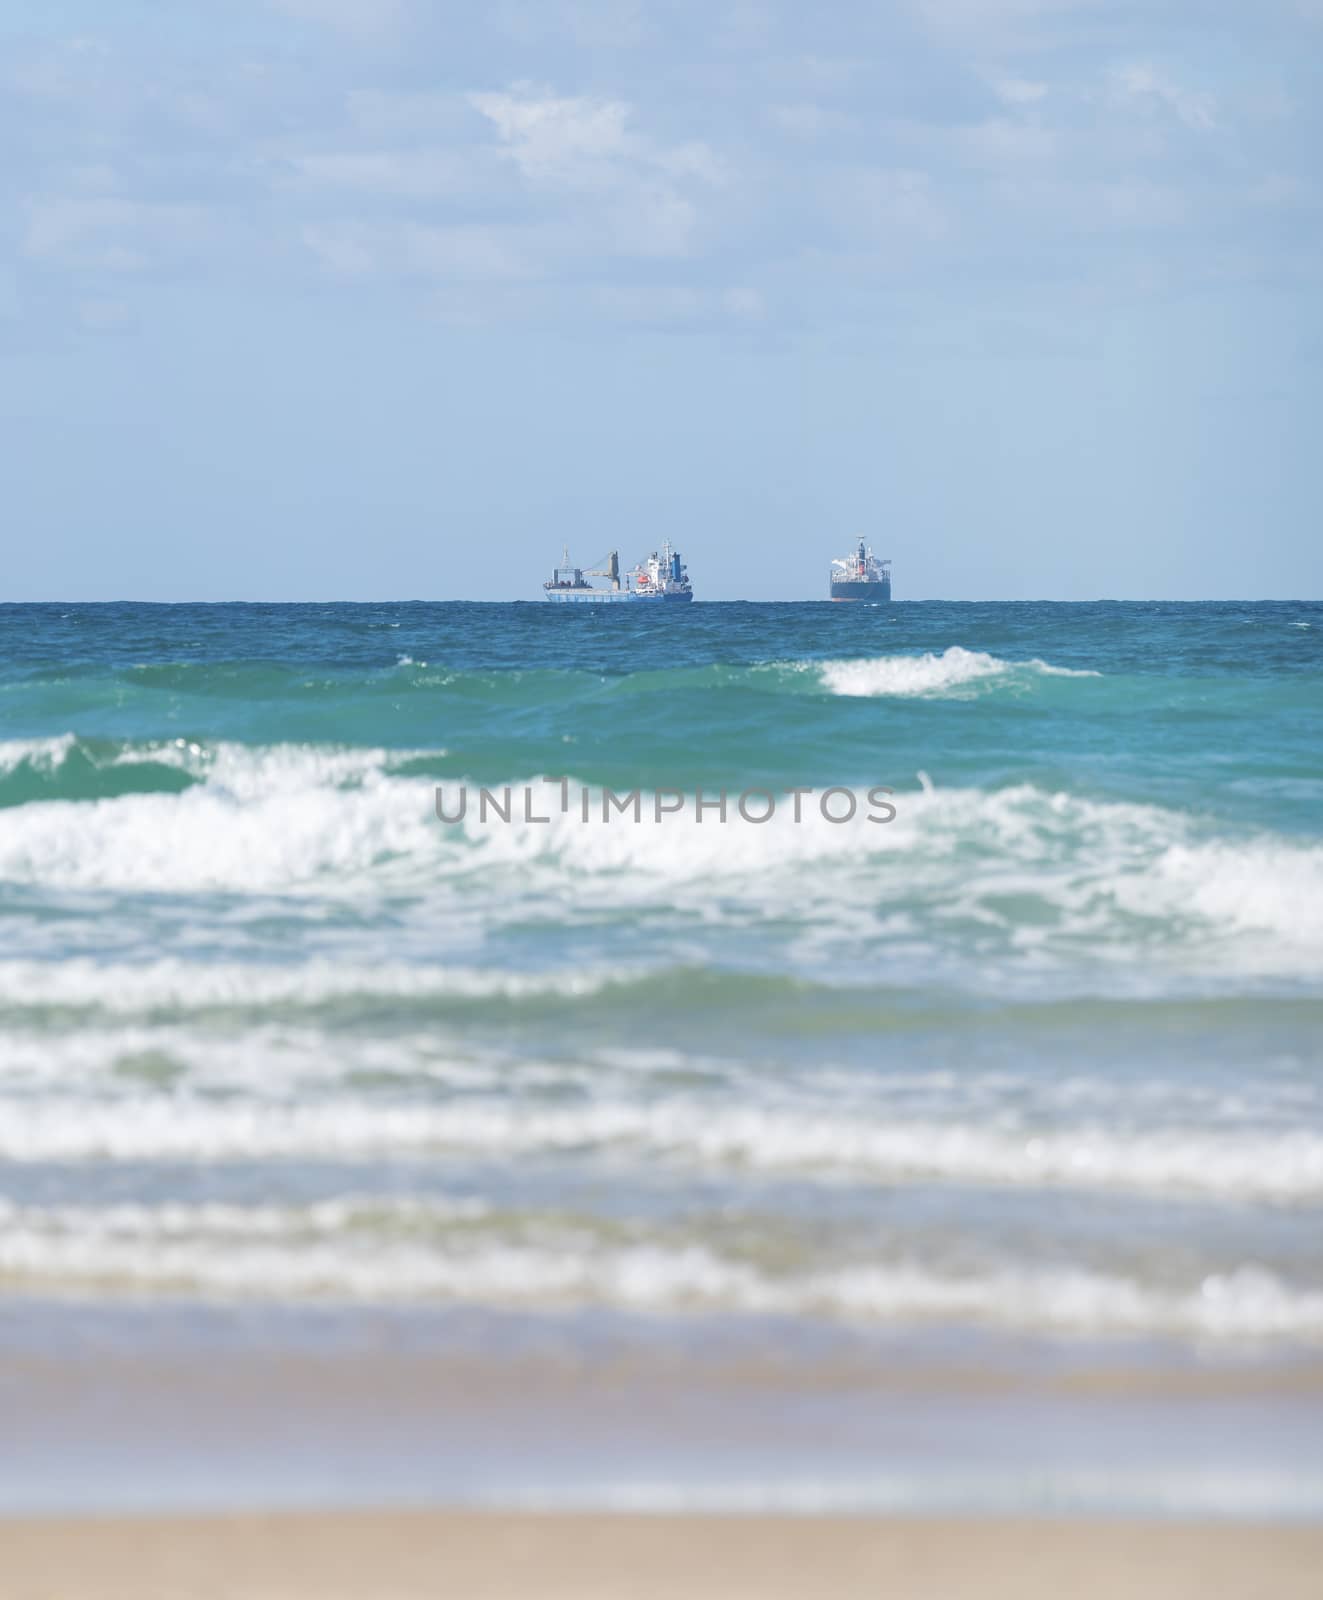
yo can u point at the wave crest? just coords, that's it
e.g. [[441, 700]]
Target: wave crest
[[957, 673], [420, 1251], [1281, 1168], [1022, 875]]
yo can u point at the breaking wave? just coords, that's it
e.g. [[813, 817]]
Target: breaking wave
[[1023, 871], [1261, 1166], [383, 1252], [957, 672]]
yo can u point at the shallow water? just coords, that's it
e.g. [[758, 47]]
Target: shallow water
[[1042, 1056]]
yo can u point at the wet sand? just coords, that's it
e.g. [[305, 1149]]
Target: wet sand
[[476, 1555], [184, 1411]]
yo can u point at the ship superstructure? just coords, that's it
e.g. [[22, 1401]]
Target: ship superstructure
[[663, 576], [861, 576]]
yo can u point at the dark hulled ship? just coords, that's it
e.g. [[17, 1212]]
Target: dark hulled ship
[[861, 577]]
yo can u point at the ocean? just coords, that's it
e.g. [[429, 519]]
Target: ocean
[[1022, 1087]]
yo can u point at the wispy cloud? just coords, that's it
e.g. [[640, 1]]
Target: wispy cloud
[[662, 164], [647, 190], [585, 141], [577, 141], [1141, 82]]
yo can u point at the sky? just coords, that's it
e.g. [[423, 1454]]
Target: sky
[[389, 299]]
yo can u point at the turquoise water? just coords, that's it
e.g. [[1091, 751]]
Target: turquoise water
[[1044, 1055]]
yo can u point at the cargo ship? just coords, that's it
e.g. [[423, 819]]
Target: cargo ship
[[662, 577], [861, 577]]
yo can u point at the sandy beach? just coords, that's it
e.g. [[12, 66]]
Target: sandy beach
[[397, 1556]]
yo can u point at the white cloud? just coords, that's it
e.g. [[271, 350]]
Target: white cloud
[[1142, 82], [596, 190], [555, 140], [584, 141], [1011, 140], [631, 194]]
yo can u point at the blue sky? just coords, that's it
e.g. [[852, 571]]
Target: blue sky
[[356, 300]]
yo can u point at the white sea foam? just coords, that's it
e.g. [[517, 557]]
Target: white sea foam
[[956, 673], [285, 821], [1284, 1168], [1259, 885], [42, 753], [338, 1249], [1106, 878], [169, 984]]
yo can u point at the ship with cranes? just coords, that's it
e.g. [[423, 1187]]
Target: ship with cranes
[[662, 577], [861, 577]]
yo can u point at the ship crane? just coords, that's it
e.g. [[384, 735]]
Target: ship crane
[[610, 570], [663, 576]]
